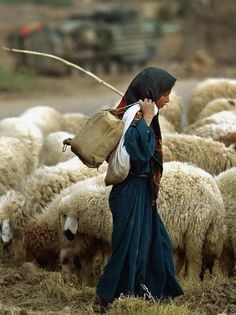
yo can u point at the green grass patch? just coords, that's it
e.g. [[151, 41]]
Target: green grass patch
[[15, 82], [11, 2]]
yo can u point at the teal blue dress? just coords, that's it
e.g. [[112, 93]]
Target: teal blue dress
[[141, 261]]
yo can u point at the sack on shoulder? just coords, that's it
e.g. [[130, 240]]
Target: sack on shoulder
[[97, 138]]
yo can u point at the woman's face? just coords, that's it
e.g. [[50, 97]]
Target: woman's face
[[163, 100]]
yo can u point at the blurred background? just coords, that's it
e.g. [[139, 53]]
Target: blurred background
[[113, 39]]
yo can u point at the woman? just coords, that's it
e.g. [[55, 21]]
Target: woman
[[141, 262]]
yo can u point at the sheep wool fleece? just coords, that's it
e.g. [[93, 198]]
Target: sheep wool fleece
[[141, 261]]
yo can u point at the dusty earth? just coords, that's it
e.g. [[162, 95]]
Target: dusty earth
[[78, 93], [30, 290]]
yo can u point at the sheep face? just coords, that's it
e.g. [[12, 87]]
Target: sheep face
[[69, 224], [6, 232]]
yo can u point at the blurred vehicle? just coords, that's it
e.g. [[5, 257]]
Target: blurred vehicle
[[103, 41]]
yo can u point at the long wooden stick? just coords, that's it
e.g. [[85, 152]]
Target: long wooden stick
[[67, 63]]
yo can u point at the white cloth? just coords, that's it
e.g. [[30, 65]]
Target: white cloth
[[119, 161]]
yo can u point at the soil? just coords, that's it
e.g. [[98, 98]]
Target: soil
[[30, 290]]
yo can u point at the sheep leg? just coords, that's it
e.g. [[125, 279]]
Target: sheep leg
[[178, 261], [193, 260]]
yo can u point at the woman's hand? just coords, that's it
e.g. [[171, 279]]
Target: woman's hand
[[148, 109]]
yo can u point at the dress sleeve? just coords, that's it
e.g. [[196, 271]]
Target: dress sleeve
[[140, 141]]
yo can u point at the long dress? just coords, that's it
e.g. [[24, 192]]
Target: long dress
[[141, 262]]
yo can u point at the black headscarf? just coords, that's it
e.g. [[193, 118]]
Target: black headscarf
[[151, 83]]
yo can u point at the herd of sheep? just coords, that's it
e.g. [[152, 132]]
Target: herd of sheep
[[54, 210]]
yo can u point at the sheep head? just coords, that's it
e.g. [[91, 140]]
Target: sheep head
[[10, 203]]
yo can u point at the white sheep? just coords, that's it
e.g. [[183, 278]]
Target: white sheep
[[51, 151], [212, 156], [166, 126], [224, 132], [39, 189], [226, 182], [15, 163], [223, 117], [189, 202], [217, 105], [27, 132], [84, 198], [41, 237], [192, 209], [173, 110], [207, 91], [73, 122], [233, 233], [46, 118]]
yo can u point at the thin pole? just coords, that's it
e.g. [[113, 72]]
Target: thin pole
[[67, 63]]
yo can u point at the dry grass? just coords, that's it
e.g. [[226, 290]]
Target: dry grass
[[134, 306], [57, 288], [31, 290]]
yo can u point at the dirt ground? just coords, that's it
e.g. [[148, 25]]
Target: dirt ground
[[30, 290], [76, 94]]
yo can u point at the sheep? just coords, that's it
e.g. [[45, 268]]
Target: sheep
[[73, 122], [173, 111], [11, 234], [225, 133], [51, 151], [31, 240], [190, 222], [41, 237], [80, 204], [94, 226], [39, 189], [207, 91], [166, 126], [192, 209], [46, 118], [217, 105], [223, 117], [226, 182], [233, 239], [212, 156], [26, 132], [15, 163]]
